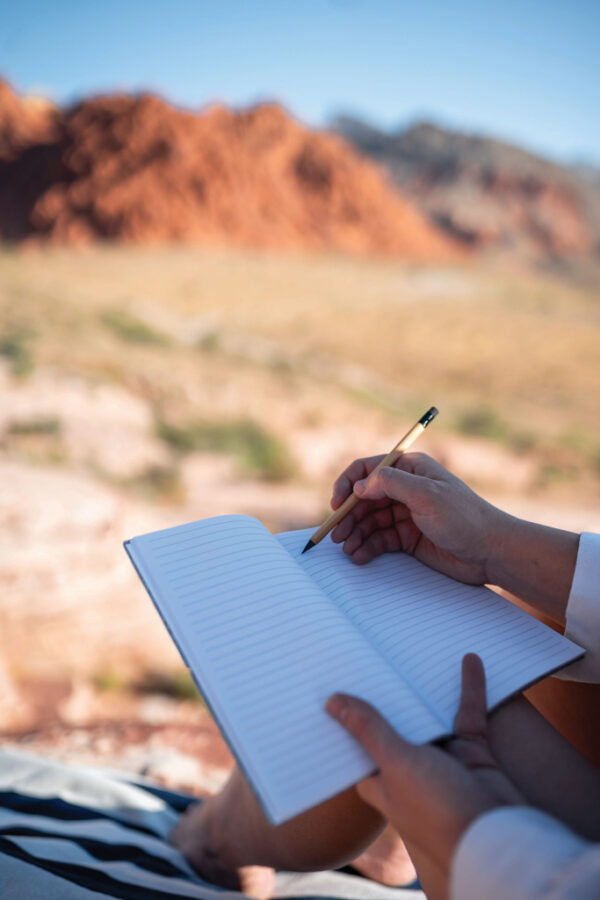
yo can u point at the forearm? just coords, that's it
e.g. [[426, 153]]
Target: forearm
[[534, 562], [545, 767]]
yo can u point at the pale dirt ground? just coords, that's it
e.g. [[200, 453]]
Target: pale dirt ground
[[309, 349]]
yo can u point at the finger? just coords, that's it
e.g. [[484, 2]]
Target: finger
[[362, 509], [422, 464], [471, 744], [371, 517], [369, 728], [344, 528], [394, 484], [363, 528], [360, 468], [471, 718], [371, 541]]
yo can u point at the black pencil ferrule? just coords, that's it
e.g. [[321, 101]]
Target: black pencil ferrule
[[428, 417]]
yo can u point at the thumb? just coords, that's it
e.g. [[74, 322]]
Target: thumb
[[393, 483], [370, 729]]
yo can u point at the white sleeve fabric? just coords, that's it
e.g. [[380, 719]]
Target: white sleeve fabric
[[522, 853], [583, 611]]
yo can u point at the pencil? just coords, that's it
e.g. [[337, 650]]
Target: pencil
[[389, 460]]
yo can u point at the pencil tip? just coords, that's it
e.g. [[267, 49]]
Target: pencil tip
[[308, 547]]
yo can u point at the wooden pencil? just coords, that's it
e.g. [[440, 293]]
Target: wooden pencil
[[389, 460]]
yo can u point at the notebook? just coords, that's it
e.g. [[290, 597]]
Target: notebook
[[270, 633]]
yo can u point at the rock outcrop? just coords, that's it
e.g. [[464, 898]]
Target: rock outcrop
[[136, 169], [490, 195]]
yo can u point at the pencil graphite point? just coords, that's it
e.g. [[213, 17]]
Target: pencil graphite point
[[308, 547]]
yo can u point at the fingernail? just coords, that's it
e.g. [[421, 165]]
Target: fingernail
[[359, 486], [337, 707]]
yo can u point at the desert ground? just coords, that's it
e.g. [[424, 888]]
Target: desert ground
[[146, 387]]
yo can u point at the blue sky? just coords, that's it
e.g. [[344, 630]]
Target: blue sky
[[528, 71]]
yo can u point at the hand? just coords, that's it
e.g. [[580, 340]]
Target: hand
[[420, 508], [431, 795]]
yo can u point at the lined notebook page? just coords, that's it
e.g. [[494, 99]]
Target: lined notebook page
[[424, 623], [267, 648]]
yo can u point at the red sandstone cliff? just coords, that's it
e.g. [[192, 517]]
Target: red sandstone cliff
[[135, 169]]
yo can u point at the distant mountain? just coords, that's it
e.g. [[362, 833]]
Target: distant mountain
[[134, 168], [491, 195]]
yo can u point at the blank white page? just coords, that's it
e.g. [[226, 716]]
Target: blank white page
[[267, 648], [424, 623]]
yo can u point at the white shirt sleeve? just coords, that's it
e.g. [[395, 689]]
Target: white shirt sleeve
[[583, 611], [522, 853]]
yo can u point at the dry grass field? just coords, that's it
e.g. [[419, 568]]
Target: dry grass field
[[296, 344]]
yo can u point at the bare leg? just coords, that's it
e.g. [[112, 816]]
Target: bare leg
[[387, 860], [227, 837], [551, 773], [571, 706]]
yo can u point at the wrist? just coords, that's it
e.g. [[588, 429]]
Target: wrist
[[500, 540], [534, 562], [505, 537]]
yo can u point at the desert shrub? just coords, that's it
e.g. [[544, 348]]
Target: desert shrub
[[209, 342], [522, 441], [15, 347], [257, 451], [175, 683], [572, 440], [37, 439], [44, 426], [553, 473], [157, 482], [109, 680], [482, 422], [132, 330]]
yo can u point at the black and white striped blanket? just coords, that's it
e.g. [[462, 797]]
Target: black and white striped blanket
[[72, 833]]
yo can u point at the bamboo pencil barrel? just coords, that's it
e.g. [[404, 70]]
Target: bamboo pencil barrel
[[389, 460]]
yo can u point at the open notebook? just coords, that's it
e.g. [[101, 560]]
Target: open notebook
[[269, 633]]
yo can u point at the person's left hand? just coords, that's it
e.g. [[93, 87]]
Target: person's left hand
[[431, 795]]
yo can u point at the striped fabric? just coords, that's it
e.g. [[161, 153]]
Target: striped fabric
[[72, 833]]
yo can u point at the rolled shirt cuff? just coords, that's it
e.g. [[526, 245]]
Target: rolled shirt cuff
[[583, 611]]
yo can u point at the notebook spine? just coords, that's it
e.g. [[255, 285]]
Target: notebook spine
[[126, 544]]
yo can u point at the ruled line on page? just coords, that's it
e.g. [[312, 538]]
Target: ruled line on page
[[424, 622]]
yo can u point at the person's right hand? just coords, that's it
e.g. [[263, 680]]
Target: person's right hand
[[420, 508]]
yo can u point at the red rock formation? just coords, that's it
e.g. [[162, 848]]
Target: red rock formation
[[23, 121], [135, 169]]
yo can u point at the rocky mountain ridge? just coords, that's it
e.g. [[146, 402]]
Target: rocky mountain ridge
[[136, 169], [491, 195]]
